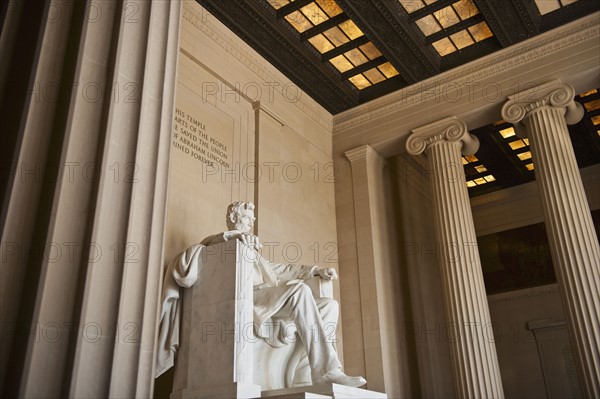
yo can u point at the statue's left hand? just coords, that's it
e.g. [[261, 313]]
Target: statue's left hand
[[328, 273], [247, 238]]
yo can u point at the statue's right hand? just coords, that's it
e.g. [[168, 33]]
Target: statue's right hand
[[328, 273]]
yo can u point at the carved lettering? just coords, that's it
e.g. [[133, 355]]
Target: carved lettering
[[190, 136]]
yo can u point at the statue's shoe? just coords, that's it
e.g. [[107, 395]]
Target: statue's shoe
[[338, 377]]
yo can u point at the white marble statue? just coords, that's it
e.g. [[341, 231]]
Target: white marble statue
[[279, 294]]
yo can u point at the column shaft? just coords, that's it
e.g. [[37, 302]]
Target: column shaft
[[476, 370], [474, 358], [573, 240], [545, 111]]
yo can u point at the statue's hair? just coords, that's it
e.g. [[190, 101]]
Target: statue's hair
[[234, 210]]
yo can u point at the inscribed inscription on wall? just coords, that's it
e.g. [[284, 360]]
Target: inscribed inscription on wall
[[191, 137]]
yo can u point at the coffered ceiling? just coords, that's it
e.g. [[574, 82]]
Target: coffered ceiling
[[346, 52]]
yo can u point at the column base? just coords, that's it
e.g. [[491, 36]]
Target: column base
[[234, 390], [335, 391]]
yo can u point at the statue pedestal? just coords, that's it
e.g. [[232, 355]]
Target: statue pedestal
[[233, 390], [215, 356], [334, 391]]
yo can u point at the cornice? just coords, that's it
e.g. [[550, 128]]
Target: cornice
[[357, 154], [360, 154], [487, 67], [215, 31]]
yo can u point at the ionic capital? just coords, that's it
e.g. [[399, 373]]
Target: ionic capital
[[552, 94], [449, 129]]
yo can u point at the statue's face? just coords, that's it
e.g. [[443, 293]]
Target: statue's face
[[245, 221]]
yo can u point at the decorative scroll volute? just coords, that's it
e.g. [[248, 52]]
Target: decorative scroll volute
[[554, 94], [449, 129]]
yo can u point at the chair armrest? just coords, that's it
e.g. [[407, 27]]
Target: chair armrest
[[320, 288]]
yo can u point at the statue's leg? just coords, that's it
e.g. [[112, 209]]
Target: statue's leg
[[303, 310], [329, 310]]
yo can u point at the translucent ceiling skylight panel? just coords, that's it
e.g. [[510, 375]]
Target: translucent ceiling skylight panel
[[360, 81]]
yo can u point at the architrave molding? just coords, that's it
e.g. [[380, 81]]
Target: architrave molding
[[524, 293]]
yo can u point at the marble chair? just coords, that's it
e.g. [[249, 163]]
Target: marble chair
[[219, 355]]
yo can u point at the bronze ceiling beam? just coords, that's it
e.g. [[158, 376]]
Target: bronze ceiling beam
[[475, 19], [388, 26], [352, 44], [290, 8], [363, 67], [568, 13], [470, 53], [431, 8], [323, 26], [511, 21], [382, 88]]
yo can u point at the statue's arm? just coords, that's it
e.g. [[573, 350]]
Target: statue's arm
[[290, 271], [246, 238], [214, 239]]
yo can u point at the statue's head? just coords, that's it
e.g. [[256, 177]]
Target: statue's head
[[240, 216]]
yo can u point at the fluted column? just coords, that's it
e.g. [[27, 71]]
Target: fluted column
[[81, 308], [474, 359], [542, 113]]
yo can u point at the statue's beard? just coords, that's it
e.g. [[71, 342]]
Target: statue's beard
[[243, 229]]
